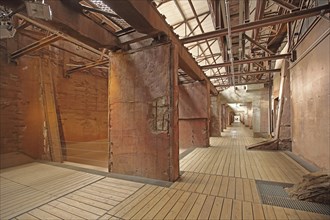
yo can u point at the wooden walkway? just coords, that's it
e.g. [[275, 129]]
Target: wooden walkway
[[218, 183]]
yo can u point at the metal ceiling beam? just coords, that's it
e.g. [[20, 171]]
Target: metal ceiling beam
[[246, 73], [87, 66], [176, 25], [259, 14], [77, 25], [244, 83], [286, 5], [305, 13], [73, 24], [258, 44], [63, 36], [144, 17], [189, 26], [202, 29], [236, 62], [197, 24], [35, 46]]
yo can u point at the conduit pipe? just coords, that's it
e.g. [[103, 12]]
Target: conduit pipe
[[230, 43]]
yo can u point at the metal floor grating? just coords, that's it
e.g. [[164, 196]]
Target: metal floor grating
[[273, 193]]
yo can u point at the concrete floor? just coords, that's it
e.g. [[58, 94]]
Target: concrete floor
[[217, 183]]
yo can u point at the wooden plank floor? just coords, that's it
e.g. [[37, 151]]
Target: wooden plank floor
[[217, 183], [227, 156], [65, 192]]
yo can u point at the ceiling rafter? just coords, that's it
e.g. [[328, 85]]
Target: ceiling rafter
[[188, 25], [286, 5], [296, 15], [249, 73], [198, 25], [177, 25], [253, 60], [202, 30]]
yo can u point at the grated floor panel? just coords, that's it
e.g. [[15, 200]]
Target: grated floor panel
[[273, 193]]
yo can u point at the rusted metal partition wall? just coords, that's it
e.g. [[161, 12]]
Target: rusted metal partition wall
[[194, 103], [143, 114], [215, 116]]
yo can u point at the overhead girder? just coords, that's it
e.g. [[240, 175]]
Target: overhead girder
[[296, 15], [253, 60], [144, 17], [73, 23]]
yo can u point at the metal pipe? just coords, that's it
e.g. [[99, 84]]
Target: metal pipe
[[230, 43]]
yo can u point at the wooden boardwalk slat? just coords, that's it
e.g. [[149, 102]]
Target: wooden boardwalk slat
[[81, 205], [247, 210], [207, 207], [105, 217], [153, 212], [258, 212], [224, 187], [216, 186], [209, 185], [74, 210], [216, 208], [303, 215], [178, 206], [99, 199], [194, 212], [187, 206], [27, 216], [231, 192], [239, 189], [138, 207], [142, 212], [219, 182], [268, 212], [280, 213], [62, 214], [291, 214], [168, 206], [226, 209], [42, 214], [237, 210], [129, 203]]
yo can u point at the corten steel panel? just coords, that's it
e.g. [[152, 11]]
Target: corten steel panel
[[142, 113], [21, 110], [193, 133], [310, 99], [215, 117], [194, 104], [82, 110], [193, 100], [82, 104]]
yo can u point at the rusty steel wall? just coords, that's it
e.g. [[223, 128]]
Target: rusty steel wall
[[194, 113], [21, 117], [80, 101], [310, 99], [215, 117], [141, 113], [193, 133]]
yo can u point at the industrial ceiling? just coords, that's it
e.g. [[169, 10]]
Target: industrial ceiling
[[226, 42]]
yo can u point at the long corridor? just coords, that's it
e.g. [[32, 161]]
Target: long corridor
[[218, 182]]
